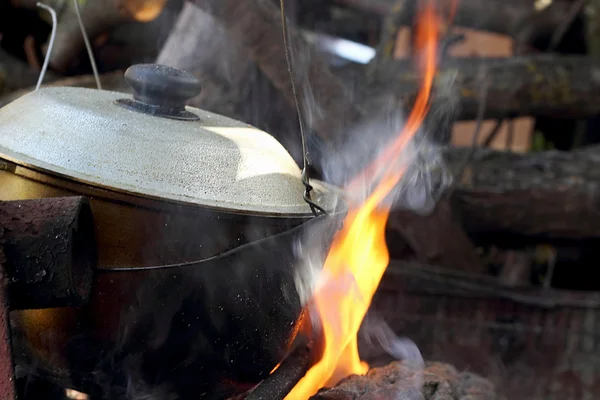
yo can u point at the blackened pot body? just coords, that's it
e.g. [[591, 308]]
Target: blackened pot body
[[201, 327], [183, 329]]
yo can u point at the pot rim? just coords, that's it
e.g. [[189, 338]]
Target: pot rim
[[107, 192], [230, 252]]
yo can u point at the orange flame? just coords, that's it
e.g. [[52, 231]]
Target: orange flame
[[359, 256], [452, 12]]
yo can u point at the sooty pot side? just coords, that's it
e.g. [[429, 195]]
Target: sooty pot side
[[228, 318], [131, 232], [222, 324]]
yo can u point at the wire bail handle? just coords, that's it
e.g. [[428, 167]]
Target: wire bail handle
[[314, 207]]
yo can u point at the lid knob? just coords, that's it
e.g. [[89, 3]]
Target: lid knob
[[161, 90]]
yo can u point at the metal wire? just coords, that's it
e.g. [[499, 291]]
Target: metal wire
[[50, 44], [88, 46], [314, 207]]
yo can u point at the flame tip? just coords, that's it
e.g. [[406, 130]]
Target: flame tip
[[359, 248]]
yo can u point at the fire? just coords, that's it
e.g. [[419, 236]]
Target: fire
[[144, 10], [359, 256]]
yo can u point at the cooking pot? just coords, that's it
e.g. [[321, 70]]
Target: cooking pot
[[196, 215]]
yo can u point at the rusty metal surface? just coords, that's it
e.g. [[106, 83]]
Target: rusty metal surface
[[50, 251], [533, 344], [7, 383]]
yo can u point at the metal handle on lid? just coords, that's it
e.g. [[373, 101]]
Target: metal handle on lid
[[161, 91], [161, 85]]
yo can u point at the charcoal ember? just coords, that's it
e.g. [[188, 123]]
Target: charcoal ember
[[410, 381]]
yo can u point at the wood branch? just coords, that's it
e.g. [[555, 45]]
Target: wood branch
[[137, 42], [592, 15], [552, 194], [256, 25], [98, 16], [401, 276], [232, 84], [537, 85], [436, 238], [519, 19], [196, 45]]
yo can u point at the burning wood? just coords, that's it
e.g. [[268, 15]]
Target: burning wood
[[475, 323], [359, 256], [402, 380]]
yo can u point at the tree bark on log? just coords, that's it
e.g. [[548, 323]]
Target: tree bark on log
[[199, 45], [417, 278], [437, 238], [518, 19], [537, 85], [553, 195]]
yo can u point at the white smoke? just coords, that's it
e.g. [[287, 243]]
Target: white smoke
[[377, 333], [425, 176], [377, 336], [424, 180]]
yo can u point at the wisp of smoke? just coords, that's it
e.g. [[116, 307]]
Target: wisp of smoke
[[376, 335], [310, 252], [424, 180], [425, 176], [354, 166]]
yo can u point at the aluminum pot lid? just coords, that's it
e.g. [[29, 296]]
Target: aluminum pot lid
[[152, 145]]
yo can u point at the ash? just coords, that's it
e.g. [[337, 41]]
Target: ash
[[399, 381]]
